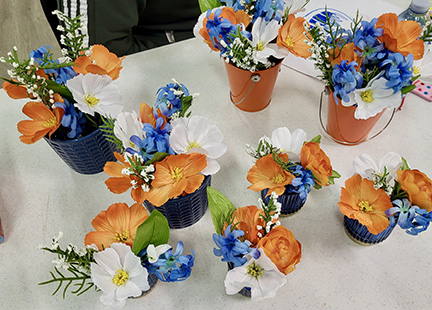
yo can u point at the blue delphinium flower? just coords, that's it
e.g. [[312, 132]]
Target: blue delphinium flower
[[156, 140], [366, 39], [269, 9], [43, 57], [218, 29], [168, 99], [346, 79], [174, 267], [409, 217], [303, 182], [230, 247], [72, 119], [398, 70]]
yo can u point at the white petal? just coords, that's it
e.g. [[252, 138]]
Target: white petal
[[281, 138], [122, 250], [298, 137], [236, 279], [212, 167], [129, 289], [365, 165], [132, 265], [142, 281], [108, 260], [110, 300], [102, 279]]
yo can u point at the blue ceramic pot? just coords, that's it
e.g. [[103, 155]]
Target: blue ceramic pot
[[86, 155], [182, 212], [361, 234], [290, 202]]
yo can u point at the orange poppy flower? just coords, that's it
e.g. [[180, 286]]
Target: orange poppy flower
[[282, 248], [119, 183], [266, 173], [362, 202], [312, 157], [175, 175], [347, 53], [44, 122], [247, 219], [239, 17], [101, 61], [15, 91], [401, 37], [292, 36], [418, 187], [117, 224]]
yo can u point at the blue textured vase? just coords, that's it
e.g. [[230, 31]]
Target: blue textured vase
[[360, 234], [86, 155], [290, 202], [182, 212]]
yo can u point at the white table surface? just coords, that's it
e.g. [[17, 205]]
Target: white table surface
[[40, 196]]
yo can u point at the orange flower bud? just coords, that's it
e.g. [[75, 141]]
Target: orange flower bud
[[314, 159], [418, 186]]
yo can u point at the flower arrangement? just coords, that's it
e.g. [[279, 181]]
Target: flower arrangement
[[164, 152], [370, 65], [123, 258], [259, 251], [288, 165], [72, 95], [384, 194], [243, 31]]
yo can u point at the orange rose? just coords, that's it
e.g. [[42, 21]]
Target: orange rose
[[314, 159], [282, 248], [418, 186], [248, 218]]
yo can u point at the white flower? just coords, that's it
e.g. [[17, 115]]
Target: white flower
[[288, 143], [424, 67], [261, 275], [294, 6], [367, 167], [95, 93], [127, 125], [374, 98], [262, 33], [119, 274], [197, 135], [153, 252]]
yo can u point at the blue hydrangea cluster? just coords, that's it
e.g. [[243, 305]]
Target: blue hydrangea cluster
[[398, 70], [346, 78], [269, 9], [219, 29], [43, 57], [303, 182], [168, 99], [73, 119], [366, 39], [231, 248], [173, 267], [156, 140], [408, 216]]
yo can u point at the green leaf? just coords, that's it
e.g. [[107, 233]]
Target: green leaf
[[60, 89], [158, 156], [317, 139], [154, 230], [407, 89], [208, 4], [220, 207], [404, 164]]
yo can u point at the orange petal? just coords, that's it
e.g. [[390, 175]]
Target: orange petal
[[194, 182], [15, 91], [81, 63], [37, 111], [114, 169], [138, 194], [159, 195], [118, 185], [102, 239], [95, 69]]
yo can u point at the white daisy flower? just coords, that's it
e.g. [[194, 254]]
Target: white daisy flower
[[96, 93], [127, 125]]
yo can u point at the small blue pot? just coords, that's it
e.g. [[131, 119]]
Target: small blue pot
[[85, 155], [361, 234], [291, 202], [182, 212]]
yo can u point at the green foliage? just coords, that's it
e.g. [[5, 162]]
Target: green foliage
[[77, 276], [158, 156], [108, 129], [316, 139], [206, 5], [221, 209], [427, 33], [186, 103], [404, 164], [154, 230]]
